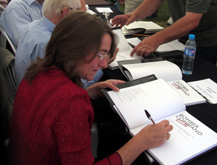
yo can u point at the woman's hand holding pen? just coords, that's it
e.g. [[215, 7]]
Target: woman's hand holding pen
[[150, 136], [154, 135]]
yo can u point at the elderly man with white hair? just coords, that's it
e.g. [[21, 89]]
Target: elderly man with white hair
[[33, 40]]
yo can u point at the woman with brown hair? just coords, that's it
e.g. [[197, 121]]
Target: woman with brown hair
[[53, 116]]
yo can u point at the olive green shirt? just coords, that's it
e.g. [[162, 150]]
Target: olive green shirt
[[206, 32]]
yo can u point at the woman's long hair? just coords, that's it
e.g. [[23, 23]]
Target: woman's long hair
[[73, 39]]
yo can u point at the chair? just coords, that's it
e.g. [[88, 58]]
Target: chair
[[7, 94], [4, 39], [95, 139]]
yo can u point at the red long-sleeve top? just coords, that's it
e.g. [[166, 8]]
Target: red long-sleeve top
[[51, 123]]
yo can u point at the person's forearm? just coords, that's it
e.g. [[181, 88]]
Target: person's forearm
[[147, 8], [180, 28], [131, 150]]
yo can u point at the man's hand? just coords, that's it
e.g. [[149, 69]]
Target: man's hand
[[122, 20], [145, 47]]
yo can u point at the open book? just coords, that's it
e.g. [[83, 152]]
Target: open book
[[162, 69], [166, 70], [174, 45], [207, 88], [189, 137], [187, 93], [124, 50], [171, 51], [141, 26]]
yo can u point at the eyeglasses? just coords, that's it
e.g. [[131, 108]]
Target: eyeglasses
[[101, 56]]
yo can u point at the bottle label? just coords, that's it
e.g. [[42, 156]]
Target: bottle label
[[190, 52]]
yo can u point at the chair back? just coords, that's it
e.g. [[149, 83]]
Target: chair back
[[7, 88], [4, 39]]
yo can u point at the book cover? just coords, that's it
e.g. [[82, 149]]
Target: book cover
[[207, 88], [187, 93]]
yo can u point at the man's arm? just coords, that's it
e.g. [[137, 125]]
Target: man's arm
[[147, 8], [17, 19], [181, 27]]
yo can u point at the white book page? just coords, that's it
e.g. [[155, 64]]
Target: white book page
[[207, 88], [148, 25], [189, 138], [187, 93], [122, 42], [156, 96], [124, 49], [104, 9], [134, 41], [91, 12], [162, 69], [126, 32], [134, 25], [171, 46], [123, 56]]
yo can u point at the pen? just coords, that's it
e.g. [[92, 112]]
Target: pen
[[143, 35], [131, 45], [149, 116]]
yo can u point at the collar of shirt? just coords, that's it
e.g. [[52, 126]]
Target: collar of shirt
[[50, 25]]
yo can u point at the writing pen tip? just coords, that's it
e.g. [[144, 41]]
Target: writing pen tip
[[147, 114]]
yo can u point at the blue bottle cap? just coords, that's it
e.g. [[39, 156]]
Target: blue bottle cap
[[191, 36]]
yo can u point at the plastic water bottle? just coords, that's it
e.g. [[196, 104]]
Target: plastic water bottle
[[106, 17], [189, 55]]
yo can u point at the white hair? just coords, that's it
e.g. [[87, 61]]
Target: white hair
[[51, 7]]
